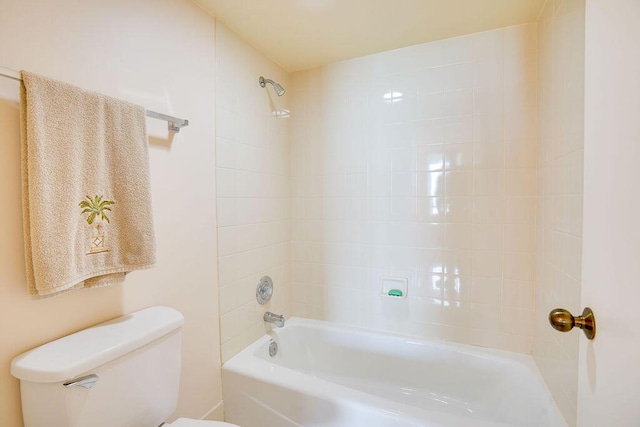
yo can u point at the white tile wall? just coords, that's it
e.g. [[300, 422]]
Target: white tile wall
[[560, 162], [420, 163], [253, 188]]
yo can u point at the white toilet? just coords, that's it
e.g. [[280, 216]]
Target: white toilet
[[125, 372]]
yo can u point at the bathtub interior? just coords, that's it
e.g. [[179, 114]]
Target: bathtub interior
[[465, 381]]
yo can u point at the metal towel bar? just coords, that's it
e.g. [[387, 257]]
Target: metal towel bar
[[175, 123]]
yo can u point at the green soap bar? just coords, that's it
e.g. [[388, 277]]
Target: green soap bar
[[395, 293]]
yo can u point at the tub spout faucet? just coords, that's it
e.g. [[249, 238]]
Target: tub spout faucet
[[277, 320]]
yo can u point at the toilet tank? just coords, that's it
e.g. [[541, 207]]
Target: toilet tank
[[136, 359]]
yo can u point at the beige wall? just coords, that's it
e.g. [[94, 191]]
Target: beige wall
[[252, 168], [559, 202], [420, 163], [160, 55]]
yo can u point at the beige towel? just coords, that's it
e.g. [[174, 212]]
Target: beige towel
[[86, 196]]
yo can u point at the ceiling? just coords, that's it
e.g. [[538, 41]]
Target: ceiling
[[301, 34]]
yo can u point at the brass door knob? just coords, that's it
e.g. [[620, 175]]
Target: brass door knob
[[564, 321]]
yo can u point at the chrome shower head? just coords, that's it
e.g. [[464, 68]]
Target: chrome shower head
[[279, 89]]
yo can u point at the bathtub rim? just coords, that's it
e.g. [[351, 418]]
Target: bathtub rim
[[247, 363]]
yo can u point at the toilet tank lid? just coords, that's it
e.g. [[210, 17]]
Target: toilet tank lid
[[90, 348]]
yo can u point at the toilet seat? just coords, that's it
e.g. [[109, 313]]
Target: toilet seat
[[187, 422]]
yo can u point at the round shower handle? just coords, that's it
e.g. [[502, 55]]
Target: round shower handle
[[564, 321], [264, 291]]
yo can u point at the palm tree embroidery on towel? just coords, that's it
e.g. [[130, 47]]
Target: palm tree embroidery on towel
[[96, 208]]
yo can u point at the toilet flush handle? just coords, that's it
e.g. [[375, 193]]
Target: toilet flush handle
[[85, 382]]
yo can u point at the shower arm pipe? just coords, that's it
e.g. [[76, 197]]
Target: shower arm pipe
[[277, 86], [263, 82], [174, 123]]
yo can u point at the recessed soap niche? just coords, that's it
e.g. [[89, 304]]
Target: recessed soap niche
[[393, 287]]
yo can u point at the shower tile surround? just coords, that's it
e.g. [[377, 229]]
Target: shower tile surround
[[560, 187], [420, 163], [253, 188], [431, 163]]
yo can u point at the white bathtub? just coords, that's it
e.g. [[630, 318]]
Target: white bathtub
[[332, 375]]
